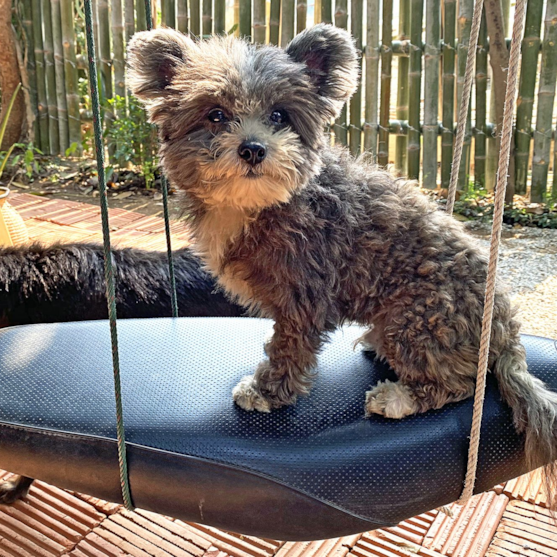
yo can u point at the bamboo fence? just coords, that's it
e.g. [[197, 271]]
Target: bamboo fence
[[413, 55]]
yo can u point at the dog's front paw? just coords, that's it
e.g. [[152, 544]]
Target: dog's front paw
[[247, 396], [392, 400], [10, 492]]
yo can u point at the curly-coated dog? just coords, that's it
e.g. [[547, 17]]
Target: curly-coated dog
[[306, 235]]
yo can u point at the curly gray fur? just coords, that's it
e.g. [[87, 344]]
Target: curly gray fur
[[313, 238]]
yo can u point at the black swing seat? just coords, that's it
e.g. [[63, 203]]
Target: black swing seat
[[315, 470]]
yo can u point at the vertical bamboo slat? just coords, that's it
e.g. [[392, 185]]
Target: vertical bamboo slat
[[207, 18], [386, 60], [356, 28], [341, 125], [53, 131], [195, 17], [301, 15], [70, 73], [447, 136], [31, 68], [274, 22], [182, 15], [287, 21], [326, 12], [118, 49], [219, 21], [372, 70], [465, 11], [168, 13], [61, 102], [414, 88], [525, 103], [245, 18], [129, 18], [546, 97], [42, 104], [259, 21], [431, 92], [402, 86], [481, 108], [104, 47]]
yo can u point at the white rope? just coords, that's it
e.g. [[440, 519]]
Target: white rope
[[502, 177], [464, 103]]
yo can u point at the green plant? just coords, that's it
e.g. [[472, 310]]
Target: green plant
[[4, 156], [132, 137], [28, 158]]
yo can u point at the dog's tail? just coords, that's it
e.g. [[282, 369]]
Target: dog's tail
[[534, 412]]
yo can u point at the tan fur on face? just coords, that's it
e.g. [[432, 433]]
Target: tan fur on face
[[225, 178]]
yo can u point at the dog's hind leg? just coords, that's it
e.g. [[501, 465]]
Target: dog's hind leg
[[13, 490], [400, 399]]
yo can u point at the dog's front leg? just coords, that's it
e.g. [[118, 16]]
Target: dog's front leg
[[286, 374]]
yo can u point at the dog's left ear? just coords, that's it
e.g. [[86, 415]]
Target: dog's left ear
[[331, 59]]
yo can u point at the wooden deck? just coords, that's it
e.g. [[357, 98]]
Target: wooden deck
[[507, 521]]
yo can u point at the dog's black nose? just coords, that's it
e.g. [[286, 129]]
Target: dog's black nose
[[252, 152]]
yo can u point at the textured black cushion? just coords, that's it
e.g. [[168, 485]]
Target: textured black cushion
[[318, 469]]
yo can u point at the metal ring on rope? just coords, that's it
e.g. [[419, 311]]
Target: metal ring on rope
[[501, 186]]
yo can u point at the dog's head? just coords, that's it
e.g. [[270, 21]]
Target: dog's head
[[242, 125]]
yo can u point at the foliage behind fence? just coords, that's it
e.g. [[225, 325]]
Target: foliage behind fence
[[405, 107]]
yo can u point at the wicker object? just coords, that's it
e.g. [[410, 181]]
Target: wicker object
[[12, 228]]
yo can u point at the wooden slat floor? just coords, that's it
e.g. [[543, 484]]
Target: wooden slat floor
[[509, 520]]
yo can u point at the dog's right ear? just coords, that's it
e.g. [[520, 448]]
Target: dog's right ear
[[154, 59]]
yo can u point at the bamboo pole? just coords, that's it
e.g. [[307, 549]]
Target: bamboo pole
[[525, 104], [259, 21], [357, 30], [245, 18], [431, 92], [554, 187], [42, 103], [301, 15], [141, 19], [372, 70], [287, 21], [447, 135], [465, 11], [182, 15], [207, 18], [53, 131], [168, 13], [220, 17], [341, 124], [326, 12], [104, 48], [414, 88], [129, 18], [70, 73], [237, 18], [274, 22], [546, 97], [61, 101], [27, 22], [386, 60], [481, 108], [118, 49], [402, 86]]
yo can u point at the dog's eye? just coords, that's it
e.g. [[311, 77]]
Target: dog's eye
[[217, 116], [279, 116]]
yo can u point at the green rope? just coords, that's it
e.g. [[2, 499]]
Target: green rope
[[108, 270], [164, 187]]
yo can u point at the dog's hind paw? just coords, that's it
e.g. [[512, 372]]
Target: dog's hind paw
[[10, 492], [392, 400], [246, 396]]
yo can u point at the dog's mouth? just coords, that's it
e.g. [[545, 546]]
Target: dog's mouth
[[252, 175]]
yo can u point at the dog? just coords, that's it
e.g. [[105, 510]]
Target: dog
[[65, 282], [304, 234]]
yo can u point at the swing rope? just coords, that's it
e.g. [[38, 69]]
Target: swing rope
[[499, 206], [108, 269]]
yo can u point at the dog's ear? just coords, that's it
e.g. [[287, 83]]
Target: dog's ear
[[331, 59], [154, 59]]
